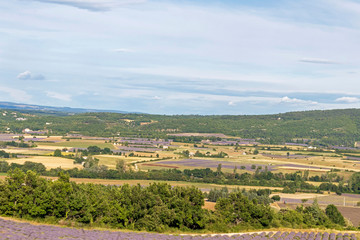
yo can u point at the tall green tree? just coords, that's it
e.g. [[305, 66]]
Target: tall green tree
[[334, 215]]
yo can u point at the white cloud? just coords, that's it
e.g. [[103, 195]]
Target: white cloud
[[286, 99], [94, 5], [59, 96], [231, 103], [24, 75], [348, 100], [318, 61], [27, 75], [157, 98]]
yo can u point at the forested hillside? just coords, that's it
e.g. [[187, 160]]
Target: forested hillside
[[331, 127]]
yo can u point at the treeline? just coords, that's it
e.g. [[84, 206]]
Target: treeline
[[218, 155], [91, 150], [186, 153], [322, 128], [27, 166], [4, 154], [20, 144], [290, 182], [159, 207]]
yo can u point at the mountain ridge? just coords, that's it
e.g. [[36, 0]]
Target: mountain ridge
[[51, 109]]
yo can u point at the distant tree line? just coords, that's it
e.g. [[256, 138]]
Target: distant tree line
[[290, 182]]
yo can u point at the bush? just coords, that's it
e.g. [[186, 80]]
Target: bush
[[276, 198], [57, 153]]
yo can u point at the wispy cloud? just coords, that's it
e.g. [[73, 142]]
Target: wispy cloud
[[231, 103], [348, 100], [15, 94], [156, 98], [94, 5], [161, 50], [59, 96], [27, 75], [123, 50], [318, 61]]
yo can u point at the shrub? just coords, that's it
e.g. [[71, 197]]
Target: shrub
[[276, 198]]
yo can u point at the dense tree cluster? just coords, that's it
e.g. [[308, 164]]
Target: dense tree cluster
[[18, 144], [261, 196], [4, 154], [159, 207], [154, 208], [37, 167]]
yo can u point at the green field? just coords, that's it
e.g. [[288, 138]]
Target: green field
[[80, 144]]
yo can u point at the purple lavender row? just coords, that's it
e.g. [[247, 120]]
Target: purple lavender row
[[286, 156], [146, 143], [297, 144], [344, 148], [228, 143], [140, 149], [353, 158], [18, 230]]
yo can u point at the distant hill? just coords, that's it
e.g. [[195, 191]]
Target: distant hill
[[21, 107], [322, 127]]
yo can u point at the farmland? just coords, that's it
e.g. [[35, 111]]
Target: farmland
[[143, 154], [144, 151], [297, 173], [48, 161]]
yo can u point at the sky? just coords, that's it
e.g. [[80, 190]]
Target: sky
[[181, 57]]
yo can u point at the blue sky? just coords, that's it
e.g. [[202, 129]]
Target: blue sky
[[181, 57]]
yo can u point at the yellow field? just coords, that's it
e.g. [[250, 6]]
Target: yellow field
[[25, 151], [48, 147], [299, 195], [49, 162], [110, 160]]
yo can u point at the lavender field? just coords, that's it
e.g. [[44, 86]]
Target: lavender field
[[17, 230]]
